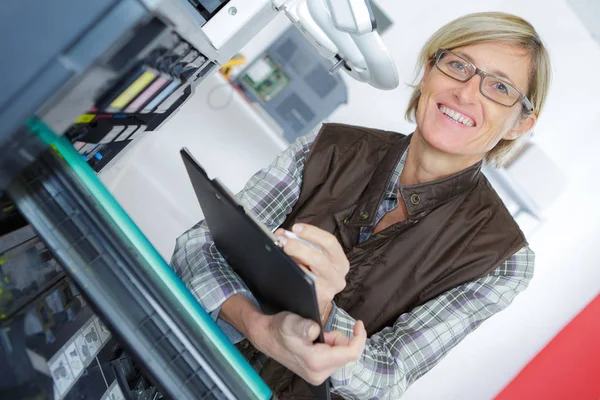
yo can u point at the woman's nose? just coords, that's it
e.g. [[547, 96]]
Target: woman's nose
[[467, 92]]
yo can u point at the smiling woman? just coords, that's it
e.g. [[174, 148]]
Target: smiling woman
[[415, 242], [508, 48]]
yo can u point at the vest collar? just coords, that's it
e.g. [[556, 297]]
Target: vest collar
[[422, 198], [419, 199]]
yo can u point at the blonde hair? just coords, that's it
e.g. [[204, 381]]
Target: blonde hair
[[491, 27]]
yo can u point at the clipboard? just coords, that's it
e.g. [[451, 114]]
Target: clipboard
[[251, 249]]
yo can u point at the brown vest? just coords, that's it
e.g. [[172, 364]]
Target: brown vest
[[457, 231]]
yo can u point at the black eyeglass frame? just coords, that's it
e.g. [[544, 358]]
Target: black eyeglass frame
[[522, 98]]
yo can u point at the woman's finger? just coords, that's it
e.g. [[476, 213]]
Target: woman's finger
[[359, 329], [321, 238], [336, 338], [306, 255], [294, 326], [341, 354], [306, 269]]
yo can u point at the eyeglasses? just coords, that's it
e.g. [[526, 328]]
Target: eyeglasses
[[492, 87]]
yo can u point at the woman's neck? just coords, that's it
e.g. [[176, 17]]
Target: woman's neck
[[426, 164]]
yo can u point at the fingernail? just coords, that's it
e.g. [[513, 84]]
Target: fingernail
[[308, 327], [297, 228], [282, 241]]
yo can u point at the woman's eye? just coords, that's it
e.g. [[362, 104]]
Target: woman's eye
[[500, 87], [457, 66]]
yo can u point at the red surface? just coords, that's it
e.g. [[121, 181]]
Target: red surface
[[568, 367]]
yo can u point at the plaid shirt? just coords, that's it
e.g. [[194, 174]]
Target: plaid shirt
[[397, 355]]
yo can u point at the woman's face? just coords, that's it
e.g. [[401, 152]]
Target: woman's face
[[490, 121]]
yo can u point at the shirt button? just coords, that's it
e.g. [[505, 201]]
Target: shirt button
[[346, 221], [415, 199], [363, 215]]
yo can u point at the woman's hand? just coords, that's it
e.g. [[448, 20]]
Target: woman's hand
[[329, 266], [288, 338]]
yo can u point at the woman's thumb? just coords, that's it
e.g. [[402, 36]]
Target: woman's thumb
[[303, 328]]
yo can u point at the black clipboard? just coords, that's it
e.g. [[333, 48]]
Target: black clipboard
[[251, 250]]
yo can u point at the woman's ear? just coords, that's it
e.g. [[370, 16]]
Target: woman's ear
[[522, 126]]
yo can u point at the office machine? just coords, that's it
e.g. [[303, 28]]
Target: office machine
[[290, 81], [88, 308]]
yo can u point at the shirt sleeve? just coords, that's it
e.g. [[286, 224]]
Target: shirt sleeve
[[270, 194], [398, 355]]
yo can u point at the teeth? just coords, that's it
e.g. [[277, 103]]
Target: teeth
[[457, 116]]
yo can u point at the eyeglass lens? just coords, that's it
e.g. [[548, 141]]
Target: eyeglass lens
[[494, 88]]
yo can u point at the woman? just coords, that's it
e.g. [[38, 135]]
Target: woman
[[416, 243]]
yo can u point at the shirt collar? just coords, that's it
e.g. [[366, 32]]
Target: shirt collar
[[391, 190]]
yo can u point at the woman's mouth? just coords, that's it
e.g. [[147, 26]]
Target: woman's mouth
[[456, 116]]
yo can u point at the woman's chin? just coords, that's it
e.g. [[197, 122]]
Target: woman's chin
[[444, 140]]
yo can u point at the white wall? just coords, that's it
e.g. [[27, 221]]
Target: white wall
[[151, 183], [150, 180]]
